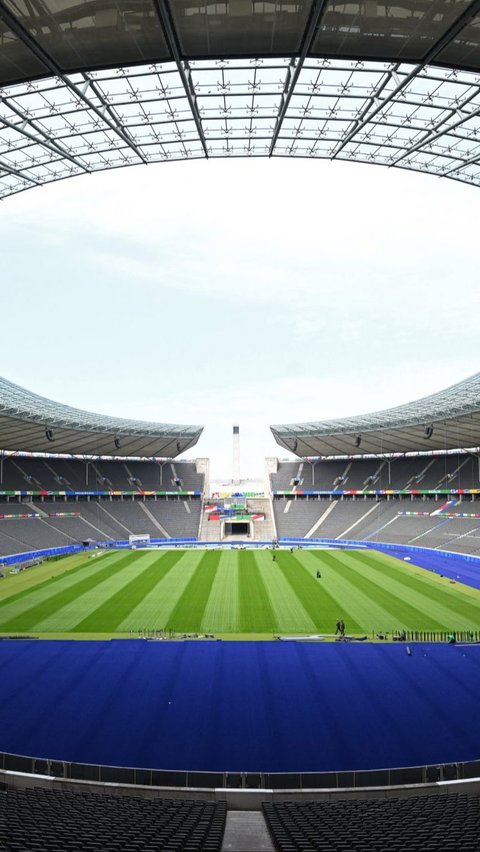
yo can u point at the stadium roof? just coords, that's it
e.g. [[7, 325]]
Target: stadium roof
[[32, 423], [98, 84], [446, 420]]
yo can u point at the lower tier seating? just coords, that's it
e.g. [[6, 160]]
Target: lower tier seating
[[403, 520], [39, 820], [449, 821], [99, 519]]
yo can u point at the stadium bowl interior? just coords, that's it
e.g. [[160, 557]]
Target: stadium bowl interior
[[241, 722]]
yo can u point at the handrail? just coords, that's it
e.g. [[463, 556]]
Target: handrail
[[354, 779]]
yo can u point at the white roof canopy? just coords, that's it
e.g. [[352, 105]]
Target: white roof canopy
[[446, 420], [32, 423]]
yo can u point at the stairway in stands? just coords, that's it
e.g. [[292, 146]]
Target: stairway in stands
[[209, 530], [264, 530]]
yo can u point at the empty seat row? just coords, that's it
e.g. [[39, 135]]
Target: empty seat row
[[40, 820], [447, 821]]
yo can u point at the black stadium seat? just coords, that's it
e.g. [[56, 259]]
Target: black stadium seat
[[39, 820], [447, 821]]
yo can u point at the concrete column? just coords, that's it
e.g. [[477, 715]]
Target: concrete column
[[271, 466], [203, 466]]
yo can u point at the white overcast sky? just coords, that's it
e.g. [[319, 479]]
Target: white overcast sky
[[240, 291]]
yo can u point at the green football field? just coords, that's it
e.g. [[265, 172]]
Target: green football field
[[232, 593]]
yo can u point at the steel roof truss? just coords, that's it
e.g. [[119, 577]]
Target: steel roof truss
[[296, 66], [433, 52], [55, 69], [182, 65]]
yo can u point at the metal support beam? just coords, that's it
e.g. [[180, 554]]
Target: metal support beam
[[437, 134], [45, 140], [296, 66], [106, 108], [8, 169], [184, 70], [14, 25], [437, 48], [469, 162]]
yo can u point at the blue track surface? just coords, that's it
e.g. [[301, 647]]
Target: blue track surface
[[240, 706], [453, 567]]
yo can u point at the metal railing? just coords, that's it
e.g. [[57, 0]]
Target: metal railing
[[240, 780]]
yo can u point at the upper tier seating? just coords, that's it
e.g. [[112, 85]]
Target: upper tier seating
[[459, 470], [21, 473]]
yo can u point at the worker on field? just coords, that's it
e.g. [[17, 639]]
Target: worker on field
[[319, 576]]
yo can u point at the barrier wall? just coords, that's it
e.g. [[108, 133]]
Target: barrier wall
[[399, 548], [16, 558], [355, 780]]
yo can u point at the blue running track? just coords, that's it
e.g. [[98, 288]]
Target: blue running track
[[240, 706]]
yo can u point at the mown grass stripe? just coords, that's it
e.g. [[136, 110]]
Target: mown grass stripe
[[289, 612], [66, 617], [411, 615], [322, 607], [455, 600], [256, 613], [245, 593], [14, 585], [107, 617], [352, 602], [49, 584], [221, 613], [40, 611], [154, 610], [188, 612], [399, 587]]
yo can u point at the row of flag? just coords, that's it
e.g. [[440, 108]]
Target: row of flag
[[15, 517]]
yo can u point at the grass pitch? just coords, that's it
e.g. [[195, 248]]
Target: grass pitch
[[233, 594]]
